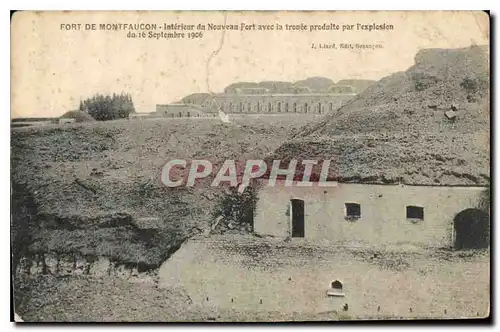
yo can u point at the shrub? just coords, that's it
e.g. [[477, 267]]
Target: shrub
[[237, 207], [103, 108]]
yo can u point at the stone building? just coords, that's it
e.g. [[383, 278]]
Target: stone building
[[66, 120], [383, 193], [255, 100], [261, 100], [139, 115], [374, 214], [179, 110]]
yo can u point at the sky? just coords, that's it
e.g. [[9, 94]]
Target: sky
[[54, 64]]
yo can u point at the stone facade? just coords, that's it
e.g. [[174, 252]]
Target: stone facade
[[66, 120], [316, 103], [383, 212], [261, 100], [258, 275], [139, 115], [178, 111]]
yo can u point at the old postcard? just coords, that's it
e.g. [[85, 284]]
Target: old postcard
[[224, 166]]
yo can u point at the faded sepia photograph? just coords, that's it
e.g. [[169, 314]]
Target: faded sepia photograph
[[250, 166]]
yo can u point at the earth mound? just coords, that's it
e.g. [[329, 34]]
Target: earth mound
[[94, 189], [358, 84], [427, 125], [79, 116]]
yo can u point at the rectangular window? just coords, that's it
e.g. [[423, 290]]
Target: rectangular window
[[352, 211], [414, 213]]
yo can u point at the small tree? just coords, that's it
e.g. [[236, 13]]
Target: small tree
[[103, 108], [238, 208]]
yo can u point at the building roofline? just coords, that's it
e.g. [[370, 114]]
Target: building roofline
[[336, 182], [288, 95]]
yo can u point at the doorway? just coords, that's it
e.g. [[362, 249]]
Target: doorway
[[297, 218], [472, 229]]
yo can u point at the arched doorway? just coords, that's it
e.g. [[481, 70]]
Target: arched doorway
[[472, 229]]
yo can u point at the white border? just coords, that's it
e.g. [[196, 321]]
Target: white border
[[254, 5]]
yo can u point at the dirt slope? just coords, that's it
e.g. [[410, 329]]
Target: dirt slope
[[94, 189], [397, 131]]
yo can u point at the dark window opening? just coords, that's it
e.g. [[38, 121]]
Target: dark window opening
[[188, 114], [286, 107], [414, 213], [269, 107], [279, 106], [295, 107], [336, 289], [249, 107], [352, 211], [337, 285], [180, 115]]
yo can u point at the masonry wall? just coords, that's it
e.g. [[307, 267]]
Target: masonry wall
[[257, 275], [281, 103], [178, 111], [383, 212]]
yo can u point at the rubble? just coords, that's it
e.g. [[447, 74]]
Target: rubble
[[63, 266], [450, 114]]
